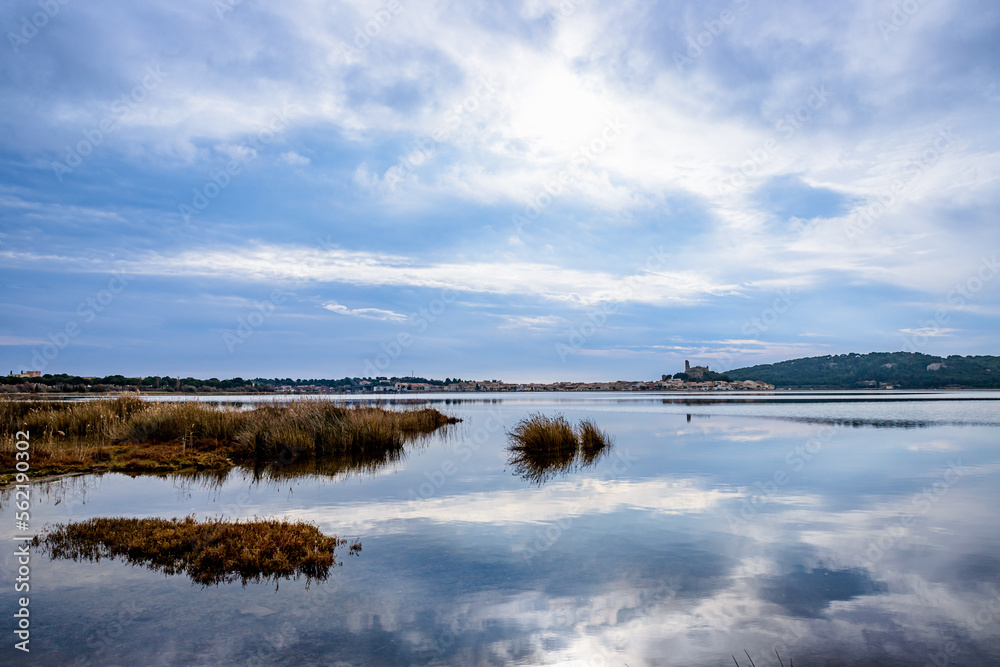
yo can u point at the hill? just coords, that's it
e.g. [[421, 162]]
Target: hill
[[902, 370]]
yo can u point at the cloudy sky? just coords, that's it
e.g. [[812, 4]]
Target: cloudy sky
[[523, 190]]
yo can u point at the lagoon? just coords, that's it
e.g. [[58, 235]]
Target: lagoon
[[836, 527]]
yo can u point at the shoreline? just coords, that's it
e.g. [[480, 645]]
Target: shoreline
[[129, 435]]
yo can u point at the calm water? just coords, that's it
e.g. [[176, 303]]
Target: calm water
[[841, 528]]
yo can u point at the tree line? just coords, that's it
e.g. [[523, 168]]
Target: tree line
[[902, 370]]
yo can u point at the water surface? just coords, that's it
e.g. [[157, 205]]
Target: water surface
[[838, 527]]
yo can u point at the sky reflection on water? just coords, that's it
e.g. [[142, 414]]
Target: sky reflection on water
[[690, 541]]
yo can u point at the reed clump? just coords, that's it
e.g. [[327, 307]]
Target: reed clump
[[131, 435], [541, 446], [210, 552]]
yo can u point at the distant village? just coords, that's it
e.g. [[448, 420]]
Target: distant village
[[693, 378], [619, 385]]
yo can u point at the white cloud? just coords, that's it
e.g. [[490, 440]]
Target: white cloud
[[21, 340], [546, 504], [293, 159], [529, 322], [929, 332], [237, 152], [554, 85], [365, 313], [290, 263]]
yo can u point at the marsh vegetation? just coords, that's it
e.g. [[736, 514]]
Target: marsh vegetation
[[209, 552], [128, 434], [541, 447]]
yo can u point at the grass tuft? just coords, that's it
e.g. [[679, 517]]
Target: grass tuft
[[130, 435], [541, 447], [209, 552]]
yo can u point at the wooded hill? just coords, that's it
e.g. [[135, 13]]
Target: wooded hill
[[902, 370]]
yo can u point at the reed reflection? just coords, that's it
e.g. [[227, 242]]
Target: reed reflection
[[542, 447]]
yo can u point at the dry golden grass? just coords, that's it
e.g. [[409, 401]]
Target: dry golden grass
[[130, 435], [210, 552], [542, 447], [593, 441]]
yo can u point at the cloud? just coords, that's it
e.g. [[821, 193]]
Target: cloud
[[237, 152], [929, 332], [536, 322], [291, 263], [555, 500], [365, 313], [21, 340], [293, 159], [863, 172]]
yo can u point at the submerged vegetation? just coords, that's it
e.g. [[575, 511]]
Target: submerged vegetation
[[210, 552], [128, 434], [542, 447]]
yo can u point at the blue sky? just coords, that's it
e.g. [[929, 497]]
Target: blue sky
[[532, 190]]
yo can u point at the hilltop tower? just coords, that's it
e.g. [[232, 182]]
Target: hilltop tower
[[694, 372]]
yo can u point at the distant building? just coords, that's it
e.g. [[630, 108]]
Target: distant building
[[694, 372], [26, 374], [411, 386]]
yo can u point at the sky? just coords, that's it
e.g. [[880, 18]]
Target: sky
[[531, 190]]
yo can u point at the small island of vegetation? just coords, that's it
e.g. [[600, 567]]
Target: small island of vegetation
[[210, 552], [127, 434], [541, 446]]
